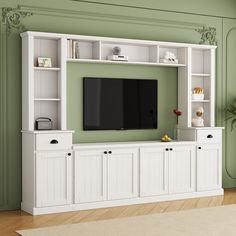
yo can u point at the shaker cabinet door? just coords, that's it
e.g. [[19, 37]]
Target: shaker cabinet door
[[53, 179], [208, 167], [122, 167], [90, 176], [153, 171]]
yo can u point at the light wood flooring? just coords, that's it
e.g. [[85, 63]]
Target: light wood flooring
[[15, 220]]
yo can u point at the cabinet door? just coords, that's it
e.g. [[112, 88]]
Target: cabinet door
[[122, 173], [53, 179], [153, 171], [208, 167], [90, 176], [182, 169]]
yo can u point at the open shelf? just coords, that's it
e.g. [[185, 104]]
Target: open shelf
[[48, 99], [195, 101], [200, 75], [124, 62], [47, 68], [49, 109]]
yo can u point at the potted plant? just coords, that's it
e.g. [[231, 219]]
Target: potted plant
[[231, 114]]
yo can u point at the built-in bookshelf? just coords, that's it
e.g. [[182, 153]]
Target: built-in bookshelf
[[197, 91], [46, 86], [46, 92], [138, 53]]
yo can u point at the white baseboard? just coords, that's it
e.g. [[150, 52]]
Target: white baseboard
[[114, 203]]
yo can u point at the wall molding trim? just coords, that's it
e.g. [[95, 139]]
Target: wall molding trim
[[74, 14], [208, 35], [149, 8], [12, 17], [3, 116], [226, 99]]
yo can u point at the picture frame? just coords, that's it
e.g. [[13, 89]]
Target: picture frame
[[44, 62]]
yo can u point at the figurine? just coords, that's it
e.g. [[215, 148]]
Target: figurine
[[170, 57], [198, 121]]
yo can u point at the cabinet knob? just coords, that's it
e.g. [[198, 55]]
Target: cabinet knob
[[209, 136], [199, 148], [54, 141], [167, 149], [171, 149], [69, 154], [110, 152], [105, 152]]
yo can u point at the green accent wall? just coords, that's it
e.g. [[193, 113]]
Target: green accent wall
[[151, 20]]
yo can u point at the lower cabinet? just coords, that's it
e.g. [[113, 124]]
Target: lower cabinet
[[105, 174], [209, 167], [182, 169], [53, 178], [153, 171], [167, 170]]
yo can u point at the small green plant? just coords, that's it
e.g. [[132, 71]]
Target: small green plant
[[231, 114]]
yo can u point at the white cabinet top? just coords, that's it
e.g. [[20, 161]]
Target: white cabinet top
[[132, 144], [112, 40]]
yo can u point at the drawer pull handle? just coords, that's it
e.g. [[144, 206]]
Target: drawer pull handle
[[54, 141], [110, 152], [167, 149], [105, 152], [209, 136], [199, 148], [69, 154]]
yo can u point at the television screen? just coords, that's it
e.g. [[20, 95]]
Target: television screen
[[119, 104]]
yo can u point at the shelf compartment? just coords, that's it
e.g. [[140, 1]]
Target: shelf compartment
[[47, 109], [202, 82], [135, 52], [88, 49], [46, 84], [179, 52], [201, 61], [206, 108], [47, 48]]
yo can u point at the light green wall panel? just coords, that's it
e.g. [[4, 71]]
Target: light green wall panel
[[105, 20], [167, 100], [229, 95]]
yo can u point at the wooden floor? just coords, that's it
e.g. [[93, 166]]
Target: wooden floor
[[15, 220]]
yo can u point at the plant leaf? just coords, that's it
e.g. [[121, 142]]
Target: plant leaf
[[232, 124]]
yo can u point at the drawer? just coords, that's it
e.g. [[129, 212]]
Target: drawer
[[209, 136], [55, 141]]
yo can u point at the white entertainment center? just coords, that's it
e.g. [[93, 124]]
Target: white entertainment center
[[59, 176]]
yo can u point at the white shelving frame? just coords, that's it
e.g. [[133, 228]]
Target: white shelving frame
[[43, 88], [200, 72], [196, 63], [44, 94]]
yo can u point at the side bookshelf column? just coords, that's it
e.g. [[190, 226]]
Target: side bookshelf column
[[184, 90], [62, 83], [28, 83], [212, 92]]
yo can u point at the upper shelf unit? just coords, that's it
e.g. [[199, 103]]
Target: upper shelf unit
[[135, 53], [44, 85]]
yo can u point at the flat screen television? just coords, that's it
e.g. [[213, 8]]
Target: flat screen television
[[119, 104]]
